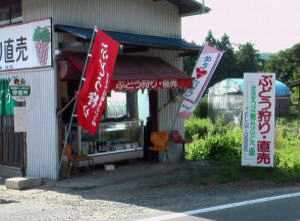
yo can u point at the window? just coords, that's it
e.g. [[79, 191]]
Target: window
[[116, 105], [122, 105], [10, 12]]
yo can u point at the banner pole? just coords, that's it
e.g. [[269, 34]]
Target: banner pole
[[181, 97], [66, 106], [75, 103]]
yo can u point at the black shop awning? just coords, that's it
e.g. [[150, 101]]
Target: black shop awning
[[132, 39]]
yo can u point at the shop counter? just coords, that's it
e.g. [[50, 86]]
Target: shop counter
[[114, 141]]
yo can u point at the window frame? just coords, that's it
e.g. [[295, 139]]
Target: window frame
[[12, 17]]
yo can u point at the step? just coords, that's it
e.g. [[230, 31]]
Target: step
[[22, 183]]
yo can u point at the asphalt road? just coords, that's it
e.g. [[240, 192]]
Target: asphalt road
[[149, 193], [279, 210]]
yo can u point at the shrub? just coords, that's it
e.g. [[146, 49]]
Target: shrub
[[201, 110], [223, 146], [222, 143], [226, 147], [287, 134], [197, 128], [288, 159], [198, 150]]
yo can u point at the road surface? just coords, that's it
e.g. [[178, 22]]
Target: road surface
[[277, 210], [144, 191]]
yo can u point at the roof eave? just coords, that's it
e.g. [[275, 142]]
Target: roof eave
[[196, 12], [86, 33]]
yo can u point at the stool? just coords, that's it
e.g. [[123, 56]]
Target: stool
[[73, 160]]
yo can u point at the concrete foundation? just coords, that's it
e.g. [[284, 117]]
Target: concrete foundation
[[7, 172], [22, 183]]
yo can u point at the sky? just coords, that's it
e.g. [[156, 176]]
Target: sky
[[272, 25]]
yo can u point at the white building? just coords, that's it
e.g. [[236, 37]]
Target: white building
[[150, 33]]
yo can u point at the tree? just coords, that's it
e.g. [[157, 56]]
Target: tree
[[189, 63], [210, 38], [233, 63], [248, 59], [227, 67], [285, 64]]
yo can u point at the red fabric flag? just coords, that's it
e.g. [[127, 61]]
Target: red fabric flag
[[98, 79]]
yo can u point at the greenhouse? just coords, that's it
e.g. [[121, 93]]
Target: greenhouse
[[225, 100]]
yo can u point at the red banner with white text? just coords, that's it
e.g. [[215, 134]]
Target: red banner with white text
[[97, 84]]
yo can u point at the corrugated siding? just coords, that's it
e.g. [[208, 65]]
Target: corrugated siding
[[137, 16], [168, 115], [168, 119], [42, 142]]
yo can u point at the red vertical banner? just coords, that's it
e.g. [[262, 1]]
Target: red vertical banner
[[98, 79]]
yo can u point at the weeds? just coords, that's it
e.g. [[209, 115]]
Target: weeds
[[221, 144]]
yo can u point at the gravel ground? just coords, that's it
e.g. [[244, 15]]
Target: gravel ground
[[129, 193]]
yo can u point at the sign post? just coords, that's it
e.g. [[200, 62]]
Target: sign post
[[259, 120]]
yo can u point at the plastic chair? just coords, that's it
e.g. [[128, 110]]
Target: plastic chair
[[160, 142]]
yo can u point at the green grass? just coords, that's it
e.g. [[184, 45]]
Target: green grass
[[221, 144], [222, 173]]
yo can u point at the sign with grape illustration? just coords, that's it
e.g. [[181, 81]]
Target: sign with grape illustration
[[26, 46]]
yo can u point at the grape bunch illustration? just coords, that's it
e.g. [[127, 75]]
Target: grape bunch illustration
[[42, 38]]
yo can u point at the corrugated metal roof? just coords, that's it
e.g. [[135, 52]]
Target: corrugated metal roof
[[132, 39], [190, 7]]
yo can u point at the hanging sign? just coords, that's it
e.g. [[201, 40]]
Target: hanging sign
[[97, 84], [203, 72], [258, 120], [19, 90], [26, 45], [128, 85]]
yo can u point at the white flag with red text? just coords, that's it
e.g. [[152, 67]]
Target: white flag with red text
[[202, 74]]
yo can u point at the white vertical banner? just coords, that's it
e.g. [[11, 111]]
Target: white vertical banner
[[202, 74], [259, 120]]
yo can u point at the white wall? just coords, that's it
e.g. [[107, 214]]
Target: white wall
[[42, 140], [137, 16]]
